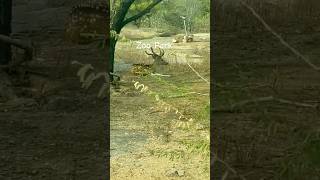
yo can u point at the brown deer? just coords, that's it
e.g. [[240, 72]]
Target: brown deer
[[158, 63], [156, 66], [157, 58]]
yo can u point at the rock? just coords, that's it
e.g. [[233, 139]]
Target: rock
[[175, 173], [180, 173]]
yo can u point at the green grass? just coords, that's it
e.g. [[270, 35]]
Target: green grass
[[203, 114]]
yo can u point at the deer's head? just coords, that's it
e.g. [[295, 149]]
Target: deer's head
[[157, 57]]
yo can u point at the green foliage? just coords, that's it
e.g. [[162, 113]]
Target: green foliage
[[138, 6], [197, 13], [135, 8], [204, 113], [172, 89], [167, 14], [198, 146], [113, 34]]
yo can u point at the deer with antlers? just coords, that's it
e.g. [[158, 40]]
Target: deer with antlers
[[157, 58], [156, 66], [158, 61]]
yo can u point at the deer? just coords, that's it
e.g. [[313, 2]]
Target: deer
[[183, 38], [157, 58], [156, 66], [158, 62]]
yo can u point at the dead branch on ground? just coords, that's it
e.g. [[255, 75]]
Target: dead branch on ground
[[198, 74]]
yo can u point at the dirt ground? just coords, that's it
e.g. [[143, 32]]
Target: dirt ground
[[146, 142], [266, 139], [55, 130]]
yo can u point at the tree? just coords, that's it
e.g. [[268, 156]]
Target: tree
[[6, 90], [5, 29], [196, 13], [119, 20]]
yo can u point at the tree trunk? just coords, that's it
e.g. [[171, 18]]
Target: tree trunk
[[112, 49], [119, 21], [5, 29]]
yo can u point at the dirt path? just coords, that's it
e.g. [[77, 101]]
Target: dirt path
[[136, 131], [145, 140]]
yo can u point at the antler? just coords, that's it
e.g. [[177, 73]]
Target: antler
[[152, 50], [150, 53], [161, 52], [155, 54]]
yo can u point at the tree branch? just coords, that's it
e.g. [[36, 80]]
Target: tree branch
[[28, 48], [117, 21], [142, 13], [17, 43]]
